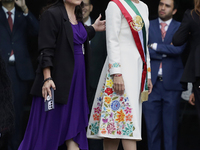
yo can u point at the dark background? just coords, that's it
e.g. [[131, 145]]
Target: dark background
[[189, 131]]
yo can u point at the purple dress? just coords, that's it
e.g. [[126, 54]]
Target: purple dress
[[49, 130]]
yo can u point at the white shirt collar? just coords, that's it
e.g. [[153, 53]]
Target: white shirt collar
[[167, 22], [88, 22], [6, 10]]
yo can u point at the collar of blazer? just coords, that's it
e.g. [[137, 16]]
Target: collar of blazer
[[17, 22], [67, 25]]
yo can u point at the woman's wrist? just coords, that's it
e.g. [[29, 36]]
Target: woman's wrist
[[47, 79], [117, 75]]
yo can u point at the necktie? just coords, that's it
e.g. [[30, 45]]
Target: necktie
[[10, 21], [163, 31]]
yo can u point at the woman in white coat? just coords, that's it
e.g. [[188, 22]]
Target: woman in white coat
[[117, 108]]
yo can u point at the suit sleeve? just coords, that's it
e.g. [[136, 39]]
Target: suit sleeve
[[170, 50], [182, 34], [33, 24], [47, 38], [90, 31], [113, 25]]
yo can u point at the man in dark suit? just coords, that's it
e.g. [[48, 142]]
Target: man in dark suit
[[15, 27], [98, 56], [162, 109]]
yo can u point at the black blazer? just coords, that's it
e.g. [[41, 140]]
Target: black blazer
[[17, 41], [56, 48], [190, 27]]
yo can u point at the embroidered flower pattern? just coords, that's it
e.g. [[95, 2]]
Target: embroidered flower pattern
[[115, 65], [97, 110], [109, 91], [149, 69], [109, 83], [107, 100], [112, 114], [129, 117], [96, 117], [120, 116]]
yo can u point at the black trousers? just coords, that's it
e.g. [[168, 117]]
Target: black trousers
[[20, 90]]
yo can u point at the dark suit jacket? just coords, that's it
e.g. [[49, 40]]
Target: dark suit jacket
[[17, 41], [172, 64], [98, 56], [190, 27], [57, 51]]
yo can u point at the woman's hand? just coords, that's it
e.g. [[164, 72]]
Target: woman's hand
[[119, 85], [46, 88], [150, 86], [192, 99], [99, 25]]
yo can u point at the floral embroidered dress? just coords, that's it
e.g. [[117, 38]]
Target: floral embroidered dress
[[112, 115]]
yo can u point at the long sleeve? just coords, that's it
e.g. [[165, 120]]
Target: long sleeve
[[170, 50], [113, 25], [148, 56], [182, 34], [90, 31], [47, 38], [33, 24]]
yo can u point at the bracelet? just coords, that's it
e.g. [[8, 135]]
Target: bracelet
[[47, 79], [117, 75]]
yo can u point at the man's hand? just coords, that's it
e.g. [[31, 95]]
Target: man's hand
[[99, 25], [150, 86], [22, 5], [192, 99]]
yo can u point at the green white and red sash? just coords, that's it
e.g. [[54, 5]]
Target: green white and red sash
[[139, 40]]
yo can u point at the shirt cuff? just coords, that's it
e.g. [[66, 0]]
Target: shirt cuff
[[25, 14], [154, 46]]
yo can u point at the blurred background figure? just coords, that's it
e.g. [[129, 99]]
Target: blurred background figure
[[190, 28], [6, 107], [161, 111], [98, 56], [16, 24]]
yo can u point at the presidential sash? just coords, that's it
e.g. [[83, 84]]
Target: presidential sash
[[137, 25]]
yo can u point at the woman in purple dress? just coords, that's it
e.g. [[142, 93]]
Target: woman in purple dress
[[63, 66]]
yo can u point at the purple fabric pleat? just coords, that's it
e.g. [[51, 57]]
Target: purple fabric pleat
[[49, 130]]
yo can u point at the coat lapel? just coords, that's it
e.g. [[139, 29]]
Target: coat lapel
[[67, 26], [4, 20], [158, 31], [169, 31]]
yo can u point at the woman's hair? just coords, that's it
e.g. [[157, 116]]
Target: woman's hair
[[196, 7], [78, 9]]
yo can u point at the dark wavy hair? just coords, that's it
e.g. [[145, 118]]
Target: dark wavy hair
[[6, 105], [78, 9], [196, 7]]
